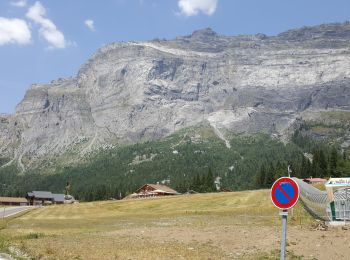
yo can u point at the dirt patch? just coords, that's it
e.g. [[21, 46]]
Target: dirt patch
[[245, 242]]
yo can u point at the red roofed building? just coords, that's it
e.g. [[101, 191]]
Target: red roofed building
[[314, 180]]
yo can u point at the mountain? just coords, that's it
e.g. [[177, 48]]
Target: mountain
[[130, 92]]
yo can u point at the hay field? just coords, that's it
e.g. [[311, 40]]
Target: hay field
[[235, 225]]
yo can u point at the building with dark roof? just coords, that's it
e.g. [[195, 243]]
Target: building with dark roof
[[44, 197], [58, 198]]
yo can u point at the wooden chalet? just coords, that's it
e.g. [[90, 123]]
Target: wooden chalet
[[11, 201], [153, 190]]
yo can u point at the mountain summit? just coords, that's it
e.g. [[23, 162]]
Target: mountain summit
[[204, 33]]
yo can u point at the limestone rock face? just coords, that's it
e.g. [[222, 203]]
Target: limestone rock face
[[128, 92]]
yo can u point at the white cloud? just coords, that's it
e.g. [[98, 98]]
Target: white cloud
[[14, 31], [20, 3], [48, 29], [193, 7], [90, 24]]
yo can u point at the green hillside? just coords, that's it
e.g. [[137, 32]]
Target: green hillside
[[190, 159]]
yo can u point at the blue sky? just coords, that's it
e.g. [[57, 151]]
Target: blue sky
[[45, 40]]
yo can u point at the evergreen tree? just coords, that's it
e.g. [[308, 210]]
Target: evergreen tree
[[314, 173], [308, 169], [260, 181], [196, 182], [269, 177], [319, 164], [323, 164], [304, 171], [333, 162], [280, 170], [209, 183]]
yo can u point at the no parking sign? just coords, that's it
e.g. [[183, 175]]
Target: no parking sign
[[285, 193]]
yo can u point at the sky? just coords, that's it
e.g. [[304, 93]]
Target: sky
[[45, 40]]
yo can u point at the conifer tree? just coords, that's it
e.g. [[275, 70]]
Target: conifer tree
[[323, 164], [303, 169], [209, 183], [269, 177], [333, 162], [260, 181]]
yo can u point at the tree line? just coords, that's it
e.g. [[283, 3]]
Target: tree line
[[254, 161]]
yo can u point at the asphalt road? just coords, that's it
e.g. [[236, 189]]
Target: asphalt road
[[10, 211], [5, 257]]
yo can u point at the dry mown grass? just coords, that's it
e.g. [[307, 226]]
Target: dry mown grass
[[203, 226]]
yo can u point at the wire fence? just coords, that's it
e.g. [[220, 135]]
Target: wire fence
[[318, 205], [313, 200]]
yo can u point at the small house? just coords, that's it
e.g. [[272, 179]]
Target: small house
[[11, 201]]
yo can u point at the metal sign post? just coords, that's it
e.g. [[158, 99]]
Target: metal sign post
[[284, 214], [284, 195]]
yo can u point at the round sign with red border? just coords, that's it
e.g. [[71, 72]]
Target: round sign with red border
[[285, 193]]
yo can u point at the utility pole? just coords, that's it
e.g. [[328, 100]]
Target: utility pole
[[289, 170]]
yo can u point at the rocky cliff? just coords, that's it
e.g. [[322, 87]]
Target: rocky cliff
[[134, 91]]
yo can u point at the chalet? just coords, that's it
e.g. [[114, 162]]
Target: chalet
[[153, 190], [10, 201], [44, 197], [314, 180]]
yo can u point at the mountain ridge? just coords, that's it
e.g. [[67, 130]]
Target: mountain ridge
[[133, 91]]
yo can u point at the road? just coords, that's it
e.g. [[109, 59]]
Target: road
[[7, 212], [10, 211], [4, 256]]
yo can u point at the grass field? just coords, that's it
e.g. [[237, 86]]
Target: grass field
[[235, 225]]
